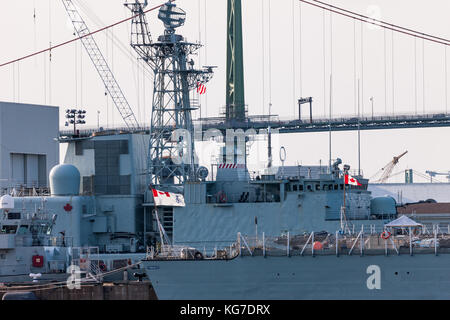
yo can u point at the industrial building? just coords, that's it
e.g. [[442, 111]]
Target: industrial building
[[412, 192], [28, 145]]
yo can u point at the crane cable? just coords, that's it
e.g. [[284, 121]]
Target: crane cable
[[53, 47], [116, 40]]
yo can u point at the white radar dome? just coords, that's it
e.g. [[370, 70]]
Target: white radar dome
[[6, 202], [65, 180]]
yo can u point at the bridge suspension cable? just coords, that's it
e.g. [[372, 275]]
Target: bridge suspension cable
[[379, 23]]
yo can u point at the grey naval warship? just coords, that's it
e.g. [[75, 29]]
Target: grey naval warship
[[299, 232]]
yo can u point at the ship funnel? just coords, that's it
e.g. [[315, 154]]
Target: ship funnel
[[65, 180]]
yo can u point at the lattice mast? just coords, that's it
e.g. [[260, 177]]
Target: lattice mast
[[174, 78], [103, 69]]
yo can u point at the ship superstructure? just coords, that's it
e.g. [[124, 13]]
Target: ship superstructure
[[102, 194]]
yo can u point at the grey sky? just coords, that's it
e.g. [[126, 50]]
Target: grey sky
[[30, 80]]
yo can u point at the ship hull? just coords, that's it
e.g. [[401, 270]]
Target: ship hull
[[423, 276]]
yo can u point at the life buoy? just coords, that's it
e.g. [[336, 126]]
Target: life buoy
[[385, 235], [102, 266], [198, 256], [222, 197], [317, 245]]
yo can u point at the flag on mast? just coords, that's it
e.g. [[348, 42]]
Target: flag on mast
[[170, 199], [201, 88], [351, 181]]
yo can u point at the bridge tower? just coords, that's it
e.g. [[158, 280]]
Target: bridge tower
[[235, 101], [171, 158]]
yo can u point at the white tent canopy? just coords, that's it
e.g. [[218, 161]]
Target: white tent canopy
[[403, 222]]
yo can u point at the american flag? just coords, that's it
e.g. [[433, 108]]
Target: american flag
[[201, 88]]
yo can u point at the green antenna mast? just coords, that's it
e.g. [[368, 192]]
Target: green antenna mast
[[235, 103]]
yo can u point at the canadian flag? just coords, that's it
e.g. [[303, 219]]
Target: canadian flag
[[168, 199], [351, 180]]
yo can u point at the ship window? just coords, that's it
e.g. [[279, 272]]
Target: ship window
[[13, 215], [342, 187], [317, 187], [295, 187], [336, 187], [300, 187], [288, 187], [308, 187], [9, 229]]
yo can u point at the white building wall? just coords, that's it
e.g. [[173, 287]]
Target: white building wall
[[412, 192], [27, 130]]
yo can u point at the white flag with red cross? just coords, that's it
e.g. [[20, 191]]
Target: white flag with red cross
[[351, 180], [170, 199]]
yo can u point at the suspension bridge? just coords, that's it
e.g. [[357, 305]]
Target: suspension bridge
[[237, 114]]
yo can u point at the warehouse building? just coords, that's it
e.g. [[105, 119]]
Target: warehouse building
[[28, 145]]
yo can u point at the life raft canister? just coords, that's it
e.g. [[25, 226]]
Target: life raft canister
[[385, 235], [38, 261]]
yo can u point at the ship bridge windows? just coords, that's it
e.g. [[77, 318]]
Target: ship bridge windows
[[295, 187], [13, 215], [317, 187], [9, 229]]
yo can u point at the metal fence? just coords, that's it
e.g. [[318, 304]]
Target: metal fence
[[365, 242]]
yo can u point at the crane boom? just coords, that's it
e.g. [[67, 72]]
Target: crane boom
[[101, 65], [388, 168]]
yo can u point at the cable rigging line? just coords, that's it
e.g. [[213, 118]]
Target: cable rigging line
[[270, 61], [385, 71], [331, 62], [380, 23], [206, 52], [446, 80], [75, 39], [354, 69], [393, 76], [300, 49], [263, 44], [293, 55], [50, 52], [324, 70], [423, 73], [377, 22], [199, 23], [362, 70], [415, 73], [95, 20]]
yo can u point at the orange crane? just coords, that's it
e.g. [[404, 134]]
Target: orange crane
[[386, 171]]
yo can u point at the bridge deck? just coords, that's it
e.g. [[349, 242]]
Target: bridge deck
[[302, 126]]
